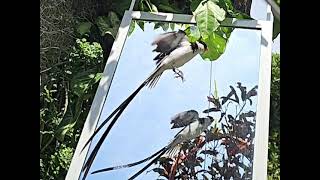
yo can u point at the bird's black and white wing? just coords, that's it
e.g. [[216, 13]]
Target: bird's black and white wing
[[189, 132], [184, 118], [167, 41]]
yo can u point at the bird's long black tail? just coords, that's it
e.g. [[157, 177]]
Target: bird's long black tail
[[117, 112], [148, 165], [121, 108], [131, 164], [104, 122], [123, 104]]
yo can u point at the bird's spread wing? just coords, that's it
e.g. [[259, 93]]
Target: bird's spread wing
[[184, 118], [167, 42], [164, 41]]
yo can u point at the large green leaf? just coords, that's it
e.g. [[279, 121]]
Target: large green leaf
[[224, 32], [207, 15], [216, 47]]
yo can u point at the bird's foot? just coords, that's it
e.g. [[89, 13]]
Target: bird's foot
[[179, 74]]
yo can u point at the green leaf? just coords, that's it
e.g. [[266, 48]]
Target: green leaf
[[168, 8], [103, 25], [216, 47], [241, 15], [84, 28], [69, 120], [172, 25], [108, 25], [119, 6], [113, 19], [153, 8], [193, 33], [157, 25], [194, 4], [141, 25], [65, 125], [207, 15], [165, 26], [132, 27], [276, 28], [82, 82]]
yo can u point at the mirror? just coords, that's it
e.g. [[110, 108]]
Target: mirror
[[144, 127]]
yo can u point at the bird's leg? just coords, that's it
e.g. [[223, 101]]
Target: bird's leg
[[179, 73]]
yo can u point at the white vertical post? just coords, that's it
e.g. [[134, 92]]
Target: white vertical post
[[260, 157], [99, 99]]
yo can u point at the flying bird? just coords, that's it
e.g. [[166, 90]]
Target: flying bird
[[189, 132], [175, 50], [168, 41]]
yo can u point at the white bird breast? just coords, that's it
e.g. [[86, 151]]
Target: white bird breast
[[193, 130], [179, 57]]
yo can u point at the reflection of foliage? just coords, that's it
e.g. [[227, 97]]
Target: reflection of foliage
[[227, 149]]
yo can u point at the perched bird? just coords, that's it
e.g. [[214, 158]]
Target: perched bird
[[178, 51], [189, 132], [184, 118]]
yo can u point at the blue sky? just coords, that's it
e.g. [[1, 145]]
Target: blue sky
[[144, 127]]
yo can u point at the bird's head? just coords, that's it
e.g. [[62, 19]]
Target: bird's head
[[207, 120], [202, 46], [181, 32], [210, 118]]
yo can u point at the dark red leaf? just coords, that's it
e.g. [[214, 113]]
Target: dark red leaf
[[211, 110]]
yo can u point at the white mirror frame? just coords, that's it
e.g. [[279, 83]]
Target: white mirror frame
[[262, 118]]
